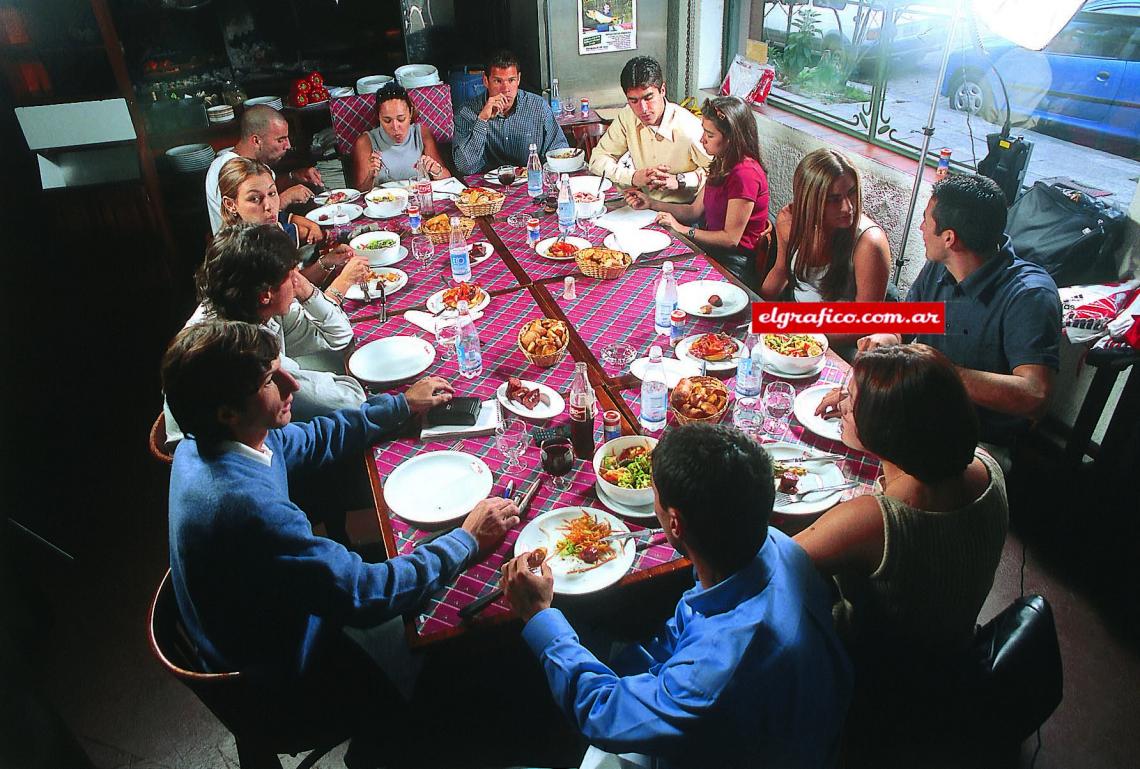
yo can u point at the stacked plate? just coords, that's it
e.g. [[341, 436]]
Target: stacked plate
[[269, 101], [340, 92], [187, 158], [417, 75], [221, 114], [372, 84]]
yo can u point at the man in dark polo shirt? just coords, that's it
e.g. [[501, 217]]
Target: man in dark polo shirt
[[1003, 314]]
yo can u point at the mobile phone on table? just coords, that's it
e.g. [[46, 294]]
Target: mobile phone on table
[[540, 434]]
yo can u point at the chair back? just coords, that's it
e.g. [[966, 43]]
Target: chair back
[[157, 441], [765, 252], [586, 136]]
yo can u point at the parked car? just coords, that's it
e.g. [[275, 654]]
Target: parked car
[[1084, 85]]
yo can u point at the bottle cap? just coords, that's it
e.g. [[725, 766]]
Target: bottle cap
[[666, 266], [654, 353], [677, 316]]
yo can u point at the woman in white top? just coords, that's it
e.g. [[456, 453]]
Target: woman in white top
[[826, 248]]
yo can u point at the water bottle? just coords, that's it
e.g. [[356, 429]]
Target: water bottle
[[468, 350], [555, 102], [534, 172], [457, 247], [665, 300], [749, 369], [654, 392], [566, 208]]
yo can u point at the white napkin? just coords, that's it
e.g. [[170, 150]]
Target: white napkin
[[426, 320], [627, 218], [450, 184]]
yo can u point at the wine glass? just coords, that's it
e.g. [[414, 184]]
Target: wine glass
[[616, 358], [507, 176], [746, 416], [568, 108], [423, 250], [511, 441], [446, 335], [778, 400], [557, 460]]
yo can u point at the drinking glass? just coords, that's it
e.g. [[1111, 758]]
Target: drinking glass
[[557, 460], [446, 335], [423, 250], [507, 177], [778, 400], [746, 416], [511, 441], [569, 107], [549, 181], [616, 358]]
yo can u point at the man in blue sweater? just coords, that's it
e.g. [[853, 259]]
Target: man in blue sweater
[[749, 671], [257, 590]]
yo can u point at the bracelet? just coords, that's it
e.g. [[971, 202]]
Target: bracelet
[[325, 267]]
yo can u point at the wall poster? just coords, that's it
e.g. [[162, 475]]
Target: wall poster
[[606, 25]]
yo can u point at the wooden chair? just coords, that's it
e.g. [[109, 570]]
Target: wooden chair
[[157, 442], [765, 252], [586, 137], [264, 724]]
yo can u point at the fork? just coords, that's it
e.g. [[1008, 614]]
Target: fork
[[791, 499]]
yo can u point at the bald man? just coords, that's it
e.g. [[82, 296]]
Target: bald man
[[265, 138]]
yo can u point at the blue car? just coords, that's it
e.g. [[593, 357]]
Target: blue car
[[1083, 86]]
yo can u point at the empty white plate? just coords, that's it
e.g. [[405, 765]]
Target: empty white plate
[[629, 511], [391, 359], [637, 242], [626, 218], [437, 487], [804, 409], [694, 295]]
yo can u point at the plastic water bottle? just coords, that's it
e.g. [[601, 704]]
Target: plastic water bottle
[[654, 392], [566, 207], [555, 102], [534, 172], [469, 352], [665, 300], [750, 368], [460, 259]]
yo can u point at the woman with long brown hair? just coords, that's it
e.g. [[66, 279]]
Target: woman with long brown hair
[[826, 248], [734, 200], [398, 147]]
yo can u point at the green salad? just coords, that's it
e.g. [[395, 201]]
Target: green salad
[[376, 245], [632, 469]]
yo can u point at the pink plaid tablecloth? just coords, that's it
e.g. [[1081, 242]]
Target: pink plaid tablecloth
[[498, 331], [353, 115]]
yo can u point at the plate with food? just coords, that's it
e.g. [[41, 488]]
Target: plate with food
[[386, 203], [532, 400], [566, 160], [560, 249], [590, 183], [794, 353], [335, 213], [480, 252], [333, 197], [711, 298], [791, 475], [622, 509], [573, 541], [804, 409], [391, 359], [437, 487], [624, 468], [449, 298], [392, 279], [517, 172], [718, 351], [381, 248], [809, 374]]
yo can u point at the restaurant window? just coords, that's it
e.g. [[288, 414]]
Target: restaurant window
[[871, 68]]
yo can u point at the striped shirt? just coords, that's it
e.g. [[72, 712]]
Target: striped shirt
[[484, 144]]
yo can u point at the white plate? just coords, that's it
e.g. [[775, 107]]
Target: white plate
[[543, 532], [372, 83], [637, 242], [720, 365], [542, 246], [391, 359], [354, 291], [488, 253], [388, 261], [351, 210], [626, 218], [400, 184], [324, 196], [492, 176], [693, 295], [675, 370], [437, 487], [819, 474], [434, 302], [589, 183], [629, 511], [804, 409], [556, 407], [778, 372]]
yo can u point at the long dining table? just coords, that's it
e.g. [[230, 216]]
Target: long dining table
[[524, 285]]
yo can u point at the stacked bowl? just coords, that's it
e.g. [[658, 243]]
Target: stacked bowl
[[417, 75], [223, 113], [188, 158], [372, 84], [269, 101]]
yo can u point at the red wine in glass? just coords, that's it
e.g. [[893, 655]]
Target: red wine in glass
[[558, 460]]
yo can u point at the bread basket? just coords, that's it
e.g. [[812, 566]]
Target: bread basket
[[467, 225], [595, 270], [708, 381], [542, 361], [486, 208]]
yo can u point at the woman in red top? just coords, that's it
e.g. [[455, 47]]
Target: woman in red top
[[734, 200]]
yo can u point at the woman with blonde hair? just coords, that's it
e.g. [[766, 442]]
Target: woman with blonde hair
[[398, 147], [827, 249], [249, 195]]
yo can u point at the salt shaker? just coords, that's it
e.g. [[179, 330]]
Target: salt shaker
[[569, 290]]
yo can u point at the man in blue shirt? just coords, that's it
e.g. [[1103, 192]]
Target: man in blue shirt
[[1003, 314], [749, 671], [498, 128]]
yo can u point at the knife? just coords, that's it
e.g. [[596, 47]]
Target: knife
[[383, 301]]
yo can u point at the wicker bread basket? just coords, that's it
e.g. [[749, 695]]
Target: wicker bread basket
[[485, 208], [597, 271], [542, 361], [708, 381], [441, 238]]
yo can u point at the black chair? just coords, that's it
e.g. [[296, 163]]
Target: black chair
[[263, 723]]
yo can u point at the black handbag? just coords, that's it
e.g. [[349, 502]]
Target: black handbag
[[1012, 677], [1066, 232]]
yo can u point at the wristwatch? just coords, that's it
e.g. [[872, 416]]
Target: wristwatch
[[681, 183], [692, 232]]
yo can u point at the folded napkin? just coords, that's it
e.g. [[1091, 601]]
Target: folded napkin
[[426, 320], [627, 218], [450, 184]]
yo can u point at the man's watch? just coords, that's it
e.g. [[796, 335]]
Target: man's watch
[[681, 183]]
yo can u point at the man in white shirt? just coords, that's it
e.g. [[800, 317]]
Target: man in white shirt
[[663, 140], [265, 138]]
